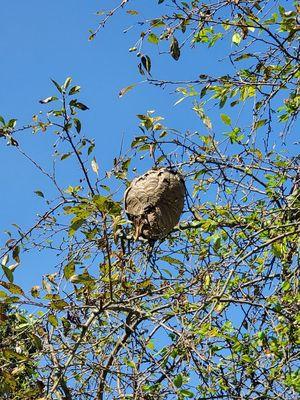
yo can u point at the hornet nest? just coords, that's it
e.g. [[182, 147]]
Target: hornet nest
[[154, 202]]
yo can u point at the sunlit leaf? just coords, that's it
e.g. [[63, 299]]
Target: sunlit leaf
[[236, 38], [74, 89], [48, 100], [95, 166], [126, 90], [67, 83]]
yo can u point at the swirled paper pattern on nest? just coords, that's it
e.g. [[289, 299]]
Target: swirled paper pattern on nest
[[154, 202]]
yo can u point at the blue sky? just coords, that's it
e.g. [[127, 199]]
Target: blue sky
[[43, 40]]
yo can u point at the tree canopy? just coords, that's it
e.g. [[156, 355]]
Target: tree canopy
[[212, 310]]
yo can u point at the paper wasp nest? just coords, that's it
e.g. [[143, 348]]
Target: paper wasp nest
[[154, 202]]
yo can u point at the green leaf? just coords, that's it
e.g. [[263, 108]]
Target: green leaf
[[8, 273], [157, 23], [174, 49], [12, 123], [178, 380], [81, 106], [235, 135], [171, 260], [247, 91], [74, 89], [140, 67], [243, 57], [139, 139], [186, 393], [53, 320], [35, 291], [236, 38], [259, 123], [91, 148], [150, 345], [65, 156], [58, 304], [77, 124], [58, 87], [106, 205], [132, 12], [152, 38], [15, 289], [146, 62], [39, 193], [69, 270], [207, 281], [75, 226], [16, 253], [286, 285], [226, 119]]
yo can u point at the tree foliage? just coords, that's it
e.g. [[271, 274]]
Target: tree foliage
[[19, 355], [212, 311]]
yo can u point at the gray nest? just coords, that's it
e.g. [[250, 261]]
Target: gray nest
[[154, 202]]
